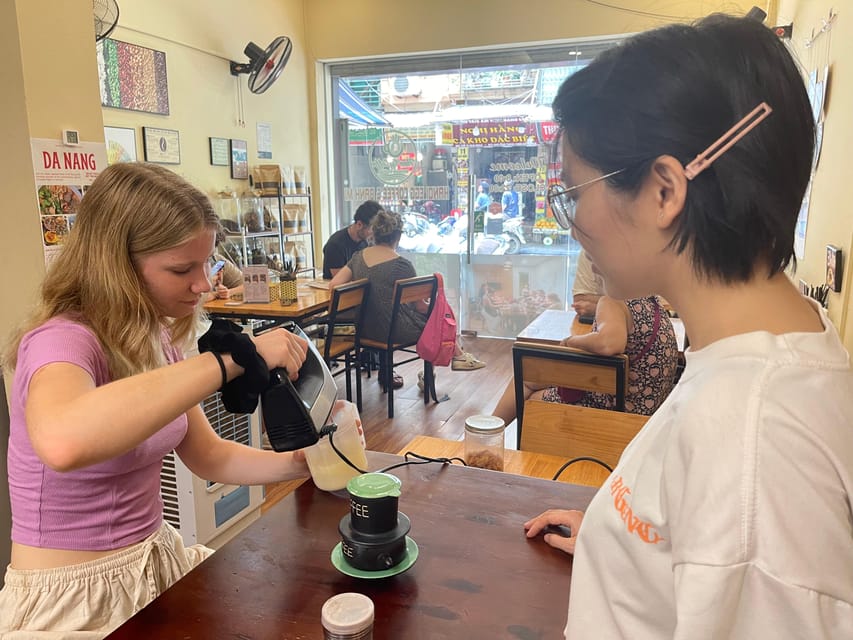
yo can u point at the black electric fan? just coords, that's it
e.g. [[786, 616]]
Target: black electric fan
[[265, 65], [106, 18]]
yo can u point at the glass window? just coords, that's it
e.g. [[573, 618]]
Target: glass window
[[458, 145]]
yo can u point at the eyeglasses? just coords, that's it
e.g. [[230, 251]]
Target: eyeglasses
[[564, 200]]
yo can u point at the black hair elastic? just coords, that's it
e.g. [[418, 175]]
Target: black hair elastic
[[218, 357]]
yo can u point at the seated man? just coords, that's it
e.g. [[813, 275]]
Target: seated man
[[343, 243]]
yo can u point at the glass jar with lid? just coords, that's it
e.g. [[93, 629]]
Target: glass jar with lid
[[484, 442], [348, 616]]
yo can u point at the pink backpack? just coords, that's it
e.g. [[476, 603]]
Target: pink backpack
[[438, 339]]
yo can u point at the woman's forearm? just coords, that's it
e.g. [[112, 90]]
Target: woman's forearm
[[84, 424]]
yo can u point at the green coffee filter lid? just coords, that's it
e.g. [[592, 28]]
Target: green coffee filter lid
[[375, 485]]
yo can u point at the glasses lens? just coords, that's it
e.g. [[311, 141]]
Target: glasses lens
[[561, 205]]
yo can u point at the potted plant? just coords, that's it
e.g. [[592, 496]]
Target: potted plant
[[287, 280]]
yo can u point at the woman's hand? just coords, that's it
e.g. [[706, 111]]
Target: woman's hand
[[280, 348], [221, 292], [571, 519]]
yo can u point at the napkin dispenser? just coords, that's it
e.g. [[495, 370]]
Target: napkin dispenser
[[294, 412]]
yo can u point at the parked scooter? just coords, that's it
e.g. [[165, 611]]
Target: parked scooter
[[509, 240], [513, 230], [415, 224]]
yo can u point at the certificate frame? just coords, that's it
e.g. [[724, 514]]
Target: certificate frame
[[239, 159], [161, 145], [220, 152]]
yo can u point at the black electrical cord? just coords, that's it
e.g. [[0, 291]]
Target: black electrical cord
[[330, 429], [580, 459], [421, 460]]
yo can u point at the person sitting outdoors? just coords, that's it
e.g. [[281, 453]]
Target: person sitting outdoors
[[101, 393], [383, 266], [638, 328], [343, 243]]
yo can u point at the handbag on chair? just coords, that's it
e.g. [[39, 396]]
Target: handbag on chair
[[437, 342]]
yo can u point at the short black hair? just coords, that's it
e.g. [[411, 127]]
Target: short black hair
[[366, 210], [673, 91]]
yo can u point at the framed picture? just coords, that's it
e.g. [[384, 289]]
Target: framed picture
[[132, 77], [219, 152], [161, 145], [239, 160], [833, 268], [121, 144]]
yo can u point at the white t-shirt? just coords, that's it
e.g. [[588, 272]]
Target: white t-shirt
[[729, 515], [586, 280]]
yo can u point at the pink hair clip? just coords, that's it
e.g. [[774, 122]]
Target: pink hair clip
[[727, 140]]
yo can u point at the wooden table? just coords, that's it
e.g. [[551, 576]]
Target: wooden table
[[552, 325], [310, 301], [476, 576], [525, 463]]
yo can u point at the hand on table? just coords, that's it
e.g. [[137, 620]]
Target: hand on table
[[280, 348], [571, 519]]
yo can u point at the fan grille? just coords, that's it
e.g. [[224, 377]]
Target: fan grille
[[106, 18]]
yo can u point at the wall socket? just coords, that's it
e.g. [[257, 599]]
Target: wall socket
[[804, 287]]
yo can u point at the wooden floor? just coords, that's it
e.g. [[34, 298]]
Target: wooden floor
[[468, 393]]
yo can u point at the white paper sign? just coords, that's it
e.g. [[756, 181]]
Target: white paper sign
[[255, 287], [62, 175]]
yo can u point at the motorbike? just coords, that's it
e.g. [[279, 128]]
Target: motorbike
[[514, 234], [507, 241], [415, 224], [431, 209]]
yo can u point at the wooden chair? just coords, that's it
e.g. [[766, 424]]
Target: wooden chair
[[572, 431], [406, 291], [546, 365], [344, 311]]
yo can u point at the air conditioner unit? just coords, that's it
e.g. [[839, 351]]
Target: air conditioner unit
[[406, 86], [205, 512]]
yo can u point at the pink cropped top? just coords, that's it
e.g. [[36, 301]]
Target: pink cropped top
[[104, 506]]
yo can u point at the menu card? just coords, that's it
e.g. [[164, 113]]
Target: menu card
[[255, 287]]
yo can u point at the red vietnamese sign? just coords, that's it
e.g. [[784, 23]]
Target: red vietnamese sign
[[503, 133]]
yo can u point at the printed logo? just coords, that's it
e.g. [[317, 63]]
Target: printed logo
[[644, 530]]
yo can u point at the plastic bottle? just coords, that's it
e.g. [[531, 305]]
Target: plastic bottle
[[484, 442], [348, 616]]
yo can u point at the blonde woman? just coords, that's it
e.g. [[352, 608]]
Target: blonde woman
[[101, 393]]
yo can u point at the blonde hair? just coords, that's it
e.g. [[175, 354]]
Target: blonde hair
[[131, 210]]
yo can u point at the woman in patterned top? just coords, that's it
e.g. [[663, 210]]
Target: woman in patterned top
[[638, 328]]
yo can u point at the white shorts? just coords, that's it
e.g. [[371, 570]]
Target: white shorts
[[89, 600]]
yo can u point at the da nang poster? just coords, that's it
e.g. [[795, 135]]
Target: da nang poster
[[62, 175]]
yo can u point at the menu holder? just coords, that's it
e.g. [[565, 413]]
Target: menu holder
[[255, 287]]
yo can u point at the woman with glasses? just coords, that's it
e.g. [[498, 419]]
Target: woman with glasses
[[684, 157]]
